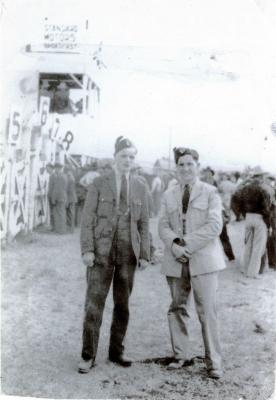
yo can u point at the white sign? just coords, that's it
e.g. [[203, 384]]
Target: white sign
[[62, 36]]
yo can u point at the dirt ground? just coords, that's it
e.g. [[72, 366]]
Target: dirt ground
[[43, 289]]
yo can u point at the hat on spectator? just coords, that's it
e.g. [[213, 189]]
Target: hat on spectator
[[183, 151], [123, 143], [210, 170]]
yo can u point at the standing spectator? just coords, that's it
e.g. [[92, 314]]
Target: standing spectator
[[71, 199], [59, 199], [114, 241], [226, 189], [51, 171], [190, 224], [269, 186], [255, 207], [208, 176], [81, 195], [61, 100]]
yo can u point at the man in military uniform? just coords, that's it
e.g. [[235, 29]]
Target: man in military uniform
[[114, 241], [190, 224]]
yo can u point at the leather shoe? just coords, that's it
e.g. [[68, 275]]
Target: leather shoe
[[85, 366], [179, 363], [120, 360], [215, 374]]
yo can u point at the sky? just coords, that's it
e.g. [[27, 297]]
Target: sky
[[160, 87]]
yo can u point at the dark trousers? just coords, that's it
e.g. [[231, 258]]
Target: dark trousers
[[70, 216], [226, 244], [59, 216], [119, 266]]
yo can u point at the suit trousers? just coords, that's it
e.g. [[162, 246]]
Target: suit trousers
[[205, 295], [255, 244], [120, 266], [70, 216], [59, 217]]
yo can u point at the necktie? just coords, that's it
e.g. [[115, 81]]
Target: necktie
[[123, 195], [185, 199]]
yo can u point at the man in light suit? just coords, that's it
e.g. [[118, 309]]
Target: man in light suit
[[190, 224], [114, 241]]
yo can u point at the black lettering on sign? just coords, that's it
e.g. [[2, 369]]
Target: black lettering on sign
[[16, 127], [68, 139], [55, 129]]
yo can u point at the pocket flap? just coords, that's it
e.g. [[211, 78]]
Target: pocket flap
[[201, 204]]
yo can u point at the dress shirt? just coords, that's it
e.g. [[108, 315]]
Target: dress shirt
[[118, 176]]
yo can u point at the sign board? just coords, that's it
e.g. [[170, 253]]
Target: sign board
[[62, 35]]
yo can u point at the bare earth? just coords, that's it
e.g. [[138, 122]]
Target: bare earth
[[43, 290]]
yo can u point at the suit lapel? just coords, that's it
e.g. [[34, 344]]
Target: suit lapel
[[132, 186], [178, 197], [196, 190]]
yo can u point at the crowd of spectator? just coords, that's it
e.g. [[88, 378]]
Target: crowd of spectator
[[248, 196]]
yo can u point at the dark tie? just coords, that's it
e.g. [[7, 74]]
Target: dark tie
[[185, 199], [123, 195]]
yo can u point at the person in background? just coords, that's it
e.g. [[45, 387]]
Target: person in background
[[71, 199], [269, 186], [51, 171], [226, 189], [61, 100], [114, 241], [81, 195], [189, 225], [255, 204], [208, 176], [58, 198]]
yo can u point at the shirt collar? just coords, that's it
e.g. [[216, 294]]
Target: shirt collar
[[190, 185], [119, 174]]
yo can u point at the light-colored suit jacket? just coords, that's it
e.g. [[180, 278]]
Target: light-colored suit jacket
[[99, 219], [203, 227]]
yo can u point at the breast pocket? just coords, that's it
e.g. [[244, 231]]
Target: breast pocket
[[105, 207], [200, 204]]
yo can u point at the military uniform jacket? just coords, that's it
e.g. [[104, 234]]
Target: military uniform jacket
[[99, 219], [203, 227]]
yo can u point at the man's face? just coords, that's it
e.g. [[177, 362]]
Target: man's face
[[124, 160], [187, 169]]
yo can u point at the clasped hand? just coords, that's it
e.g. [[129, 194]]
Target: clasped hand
[[181, 253]]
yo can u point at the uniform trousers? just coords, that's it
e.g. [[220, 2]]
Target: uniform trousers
[[120, 266], [255, 244], [205, 295]]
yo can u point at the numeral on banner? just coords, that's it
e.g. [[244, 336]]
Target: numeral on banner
[[55, 129], [14, 127], [68, 139], [44, 107]]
